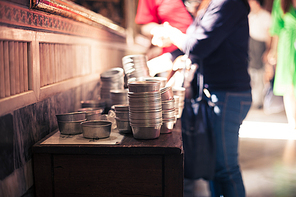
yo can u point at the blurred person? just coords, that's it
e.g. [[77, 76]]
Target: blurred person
[[259, 45], [283, 54], [151, 14], [219, 38]]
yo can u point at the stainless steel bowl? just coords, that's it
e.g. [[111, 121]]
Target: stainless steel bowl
[[166, 93], [96, 129], [70, 127], [121, 108], [168, 105], [69, 123], [167, 126], [168, 114], [124, 116], [73, 116], [123, 126], [146, 133], [144, 86]]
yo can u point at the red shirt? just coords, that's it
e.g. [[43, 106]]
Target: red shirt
[[159, 11]]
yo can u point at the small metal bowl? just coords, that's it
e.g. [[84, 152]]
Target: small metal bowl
[[73, 116], [143, 86], [70, 127], [146, 133], [123, 126], [121, 108], [124, 116], [168, 104], [166, 93], [167, 126], [96, 129], [69, 123]]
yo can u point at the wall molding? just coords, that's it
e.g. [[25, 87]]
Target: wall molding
[[13, 15], [38, 93]]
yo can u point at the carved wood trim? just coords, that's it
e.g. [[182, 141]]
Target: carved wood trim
[[13, 15], [71, 10]]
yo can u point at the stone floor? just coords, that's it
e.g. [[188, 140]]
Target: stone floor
[[267, 157]]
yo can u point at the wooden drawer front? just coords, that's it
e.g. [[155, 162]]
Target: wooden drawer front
[[108, 175]]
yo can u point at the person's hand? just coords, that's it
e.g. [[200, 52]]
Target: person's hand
[[268, 72], [272, 57], [181, 62], [160, 36]]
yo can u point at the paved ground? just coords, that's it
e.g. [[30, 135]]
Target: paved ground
[[267, 156]]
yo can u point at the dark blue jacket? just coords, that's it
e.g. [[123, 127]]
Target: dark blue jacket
[[220, 39]]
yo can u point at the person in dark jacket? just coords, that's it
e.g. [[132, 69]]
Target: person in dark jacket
[[219, 38]]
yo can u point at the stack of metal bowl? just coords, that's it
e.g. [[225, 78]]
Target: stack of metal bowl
[[135, 66], [168, 110], [180, 91], [119, 97], [162, 80], [69, 123], [122, 118], [176, 98], [145, 109], [112, 79]]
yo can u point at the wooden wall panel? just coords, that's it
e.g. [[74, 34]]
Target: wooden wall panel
[[13, 68], [59, 62], [6, 68], [21, 66], [26, 68], [2, 79]]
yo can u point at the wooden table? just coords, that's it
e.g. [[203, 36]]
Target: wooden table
[[128, 167]]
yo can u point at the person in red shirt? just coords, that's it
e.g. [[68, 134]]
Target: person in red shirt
[[153, 13]]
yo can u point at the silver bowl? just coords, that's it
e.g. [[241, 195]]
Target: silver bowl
[[73, 116], [124, 116], [69, 123], [70, 127], [167, 126], [166, 93], [168, 114], [96, 129], [146, 133], [120, 108], [143, 86], [168, 104], [123, 126]]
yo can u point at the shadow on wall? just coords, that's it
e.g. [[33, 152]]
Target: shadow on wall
[[21, 129]]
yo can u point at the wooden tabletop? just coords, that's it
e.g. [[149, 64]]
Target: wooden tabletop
[[170, 143]]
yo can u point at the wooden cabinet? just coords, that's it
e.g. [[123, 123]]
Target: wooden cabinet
[[127, 168]]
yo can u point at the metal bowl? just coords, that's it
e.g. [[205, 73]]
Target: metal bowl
[[168, 114], [96, 129], [167, 126], [143, 86], [70, 127], [73, 116], [120, 108], [166, 93], [123, 126], [146, 133], [124, 116], [69, 123], [168, 105]]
